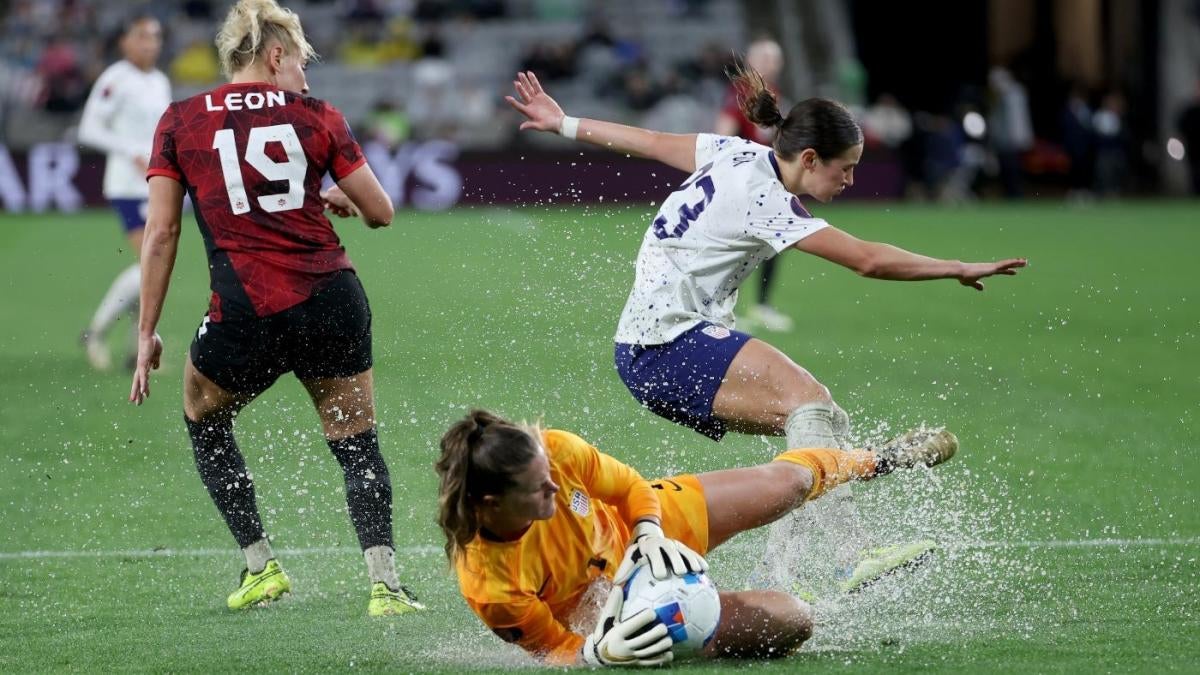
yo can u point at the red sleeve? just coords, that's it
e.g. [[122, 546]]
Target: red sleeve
[[163, 160], [345, 154]]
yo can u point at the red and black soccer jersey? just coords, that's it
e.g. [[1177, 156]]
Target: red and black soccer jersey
[[252, 157]]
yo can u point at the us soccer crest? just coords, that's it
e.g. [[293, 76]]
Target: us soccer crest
[[580, 503]]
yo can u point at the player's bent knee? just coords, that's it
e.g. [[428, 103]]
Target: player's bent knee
[[761, 624], [803, 389]]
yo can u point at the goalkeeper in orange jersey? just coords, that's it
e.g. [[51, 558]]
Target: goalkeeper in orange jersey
[[533, 518]]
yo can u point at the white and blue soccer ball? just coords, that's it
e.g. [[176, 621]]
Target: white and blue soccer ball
[[687, 605]]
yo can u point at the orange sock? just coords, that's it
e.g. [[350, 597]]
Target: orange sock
[[831, 468]]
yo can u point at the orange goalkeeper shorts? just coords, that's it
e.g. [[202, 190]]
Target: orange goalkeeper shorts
[[684, 510]]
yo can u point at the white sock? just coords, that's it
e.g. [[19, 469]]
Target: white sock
[[381, 566], [123, 293], [257, 555], [841, 428], [810, 426], [800, 545]]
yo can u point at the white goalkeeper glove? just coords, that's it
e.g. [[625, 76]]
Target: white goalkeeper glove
[[648, 545], [640, 640]]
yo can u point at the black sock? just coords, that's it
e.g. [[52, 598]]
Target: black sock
[[767, 273], [223, 471], [368, 487]]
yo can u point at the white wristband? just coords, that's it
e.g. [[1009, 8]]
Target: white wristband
[[569, 127]]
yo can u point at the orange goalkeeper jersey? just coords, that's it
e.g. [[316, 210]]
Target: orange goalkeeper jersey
[[524, 589]]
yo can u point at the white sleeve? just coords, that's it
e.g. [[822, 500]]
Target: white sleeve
[[95, 125], [708, 145], [780, 220]]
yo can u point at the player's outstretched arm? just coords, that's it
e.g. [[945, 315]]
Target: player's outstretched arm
[[360, 192], [159, 245], [543, 113], [884, 261]]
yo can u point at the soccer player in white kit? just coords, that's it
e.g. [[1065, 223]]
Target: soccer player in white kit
[[121, 114], [676, 347]]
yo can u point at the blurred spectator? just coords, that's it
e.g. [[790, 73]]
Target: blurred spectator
[[938, 146], [439, 106], [375, 44], [639, 88], [439, 10], [887, 123], [765, 56], [551, 61], [597, 33], [1189, 129], [433, 46], [431, 106], [65, 85], [198, 10], [196, 64], [1079, 142], [387, 124], [1111, 142], [1011, 127]]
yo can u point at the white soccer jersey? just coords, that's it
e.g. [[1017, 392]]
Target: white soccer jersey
[[709, 235], [120, 117]]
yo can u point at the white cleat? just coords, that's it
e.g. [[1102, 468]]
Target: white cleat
[[96, 350], [770, 318]]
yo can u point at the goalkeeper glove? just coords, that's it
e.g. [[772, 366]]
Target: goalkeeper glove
[[665, 556], [640, 640]]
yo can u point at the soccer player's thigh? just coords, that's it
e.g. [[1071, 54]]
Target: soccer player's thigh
[[331, 355], [228, 365], [762, 387], [742, 499], [685, 515]]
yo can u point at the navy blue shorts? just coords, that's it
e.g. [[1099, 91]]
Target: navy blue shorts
[[679, 380], [131, 211]]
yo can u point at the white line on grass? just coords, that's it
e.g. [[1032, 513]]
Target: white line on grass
[[199, 552], [437, 550]]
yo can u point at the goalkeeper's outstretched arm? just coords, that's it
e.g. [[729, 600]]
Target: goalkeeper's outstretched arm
[[543, 113]]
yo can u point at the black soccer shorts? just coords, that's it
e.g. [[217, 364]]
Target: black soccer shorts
[[328, 335]]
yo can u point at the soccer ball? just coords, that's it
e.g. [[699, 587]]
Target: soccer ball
[[687, 605]]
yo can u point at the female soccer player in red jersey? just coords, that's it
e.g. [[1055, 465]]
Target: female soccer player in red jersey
[[252, 155], [676, 347], [534, 518]]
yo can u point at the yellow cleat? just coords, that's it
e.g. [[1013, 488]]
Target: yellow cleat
[[878, 563], [262, 588], [386, 602]]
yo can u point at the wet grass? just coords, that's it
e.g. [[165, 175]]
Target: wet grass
[[1074, 388]]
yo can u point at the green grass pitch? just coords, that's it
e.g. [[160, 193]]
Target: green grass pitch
[[1069, 520]]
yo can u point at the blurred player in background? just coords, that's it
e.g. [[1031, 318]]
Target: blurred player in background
[[765, 56], [676, 347], [252, 154], [119, 119], [534, 518]]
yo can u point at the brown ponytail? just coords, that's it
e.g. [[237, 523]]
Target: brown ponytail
[[821, 124], [480, 455], [757, 101]]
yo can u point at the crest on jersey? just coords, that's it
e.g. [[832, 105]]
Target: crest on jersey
[[716, 332], [580, 503]]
